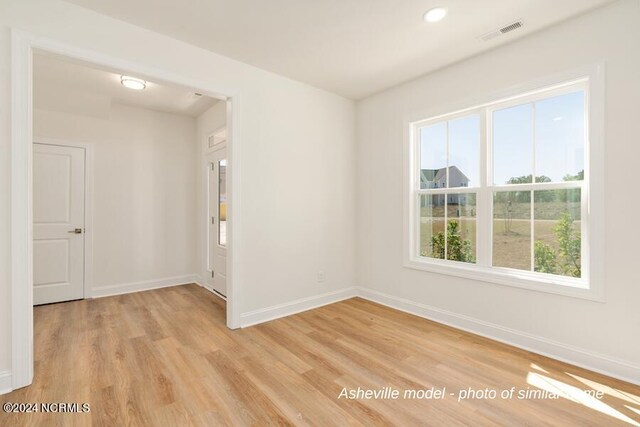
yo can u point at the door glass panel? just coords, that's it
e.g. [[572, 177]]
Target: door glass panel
[[222, 202]]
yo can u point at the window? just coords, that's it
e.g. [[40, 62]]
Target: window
[[449, 164], [500, 192]]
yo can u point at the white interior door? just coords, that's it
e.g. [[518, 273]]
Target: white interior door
[[58, 223], [218, 221]]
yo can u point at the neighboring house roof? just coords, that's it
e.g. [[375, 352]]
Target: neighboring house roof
[[427, 175]]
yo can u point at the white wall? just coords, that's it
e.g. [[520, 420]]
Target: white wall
[[298, 200], [611, 329], [144, 192], [211, 120], [298, 172]]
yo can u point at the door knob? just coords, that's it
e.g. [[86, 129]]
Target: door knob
[[76, 231]]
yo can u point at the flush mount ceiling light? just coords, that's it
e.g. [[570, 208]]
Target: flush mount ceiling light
[[133, 83], [434, 15]]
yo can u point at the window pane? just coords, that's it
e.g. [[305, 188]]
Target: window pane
[[512, 229], [222, 202], [557, 232], [513, 145], [560, 137], [464, 152], [432, 226], [433, 156], [461, 231]]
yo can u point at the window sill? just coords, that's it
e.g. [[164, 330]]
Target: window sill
[[558, 285]]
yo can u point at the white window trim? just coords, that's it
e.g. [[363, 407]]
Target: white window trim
[[591, 285]]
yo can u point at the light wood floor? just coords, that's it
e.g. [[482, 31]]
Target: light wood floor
[[165, 358]]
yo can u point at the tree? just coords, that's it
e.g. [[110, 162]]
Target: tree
[[577, 177], [458, 249], [544, 258], [525, 196], [516, 204], [566, 260], [507, 215], [437, 245], [526, 179], [569, 246], [572, 195]]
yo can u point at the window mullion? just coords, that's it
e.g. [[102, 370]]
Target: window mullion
[[532, 232], [455, 190], [416, 225], [563, 185], [446, 196], [533, 180], [483, 217]]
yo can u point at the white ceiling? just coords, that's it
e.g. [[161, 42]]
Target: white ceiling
[[351, 47], [60, 84]]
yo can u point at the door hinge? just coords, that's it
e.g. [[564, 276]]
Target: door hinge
[[213, 166], [213, 220], [213, 274]]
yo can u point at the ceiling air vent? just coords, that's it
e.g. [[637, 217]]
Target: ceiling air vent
[[507, 28], [511, 27]]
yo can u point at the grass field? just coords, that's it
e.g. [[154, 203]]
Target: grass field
[[511, 239], [511, 249], [543, 210]]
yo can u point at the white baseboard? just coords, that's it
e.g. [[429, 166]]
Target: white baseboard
[[126, 288], [288, 308], [606, 365], [5, 382]]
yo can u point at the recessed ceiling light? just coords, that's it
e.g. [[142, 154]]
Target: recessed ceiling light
[[558, 118], [436, 14], [133, 83]]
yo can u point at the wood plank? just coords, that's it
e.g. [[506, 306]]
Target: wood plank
[[165, 357]]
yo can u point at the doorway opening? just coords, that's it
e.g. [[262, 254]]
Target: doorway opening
[[97, 208], [146, 141]]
